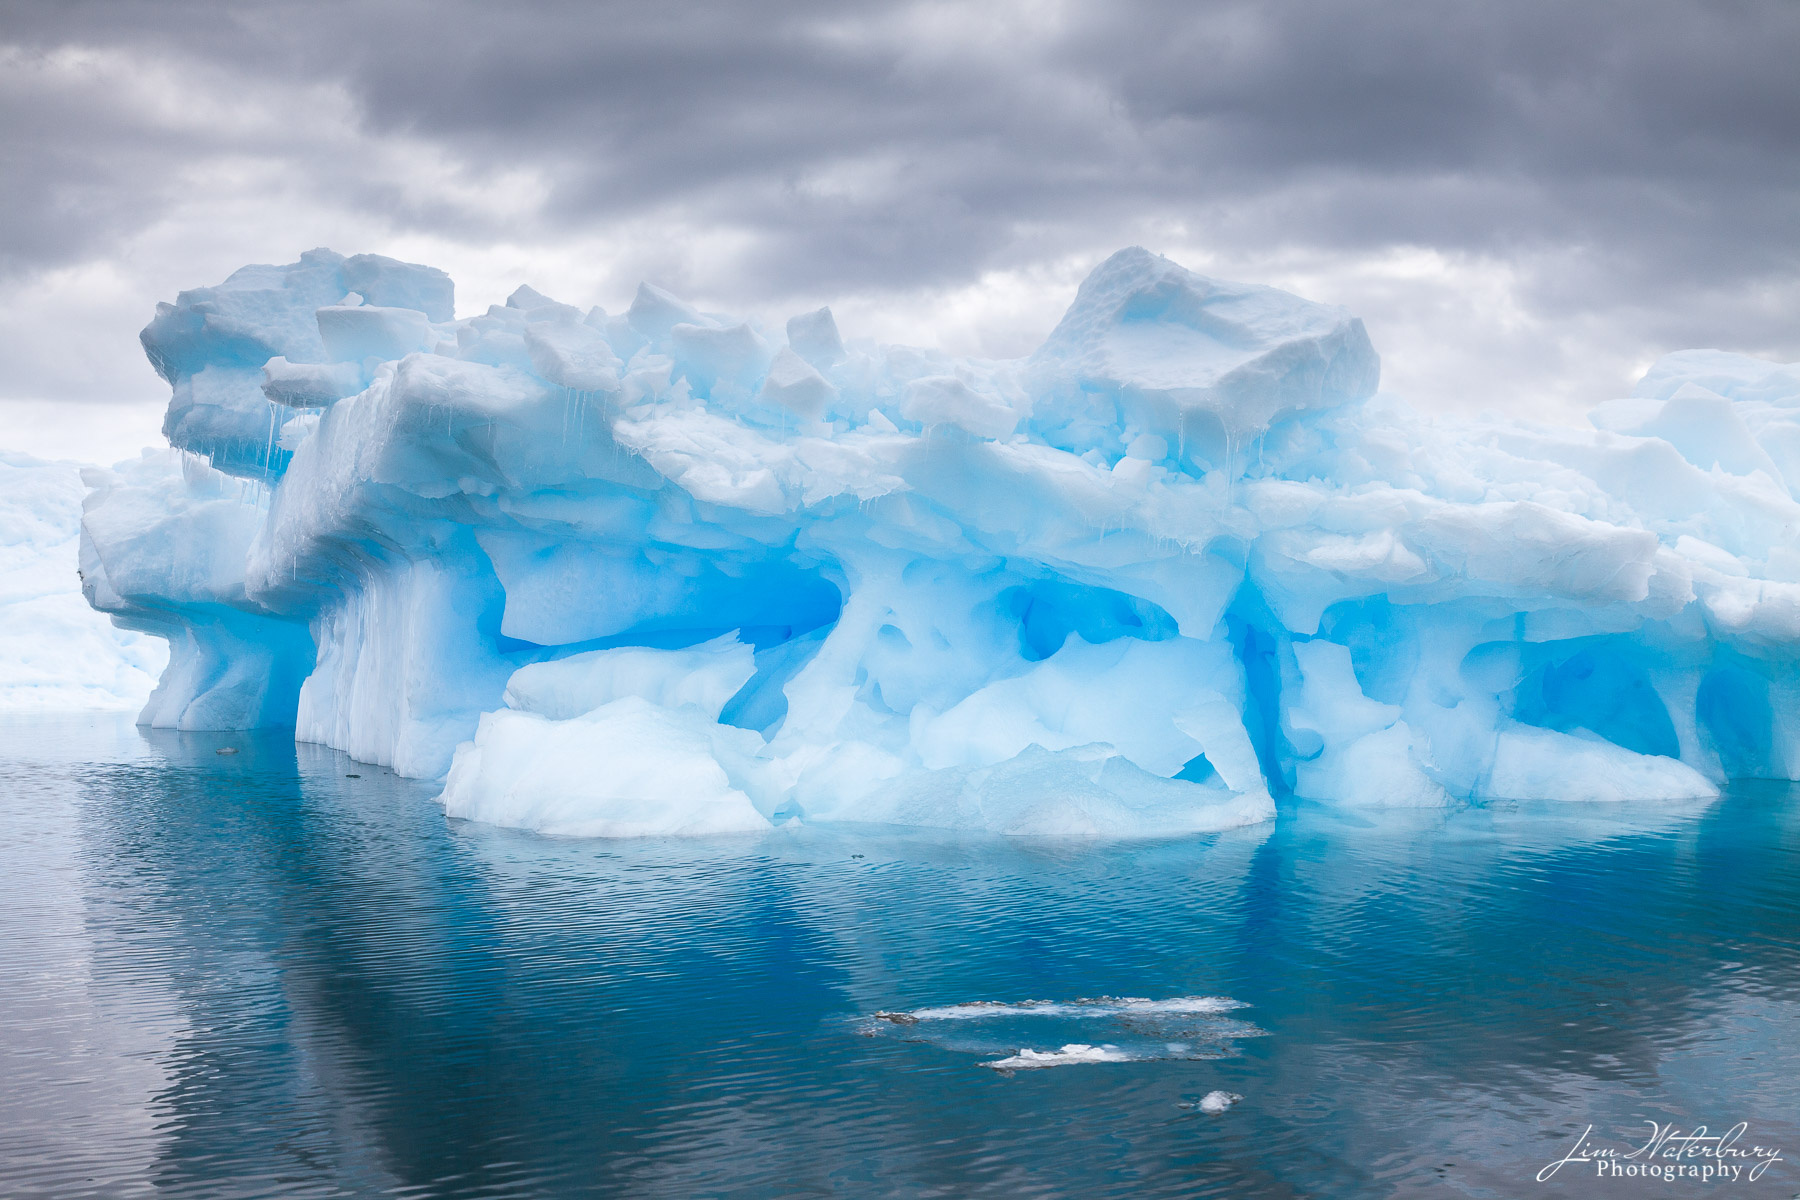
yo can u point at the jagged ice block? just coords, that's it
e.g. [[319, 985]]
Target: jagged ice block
[[667, 571]]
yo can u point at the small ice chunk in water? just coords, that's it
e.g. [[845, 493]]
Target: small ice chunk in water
[[1102, 1006], [1136, 1029], [1216, 1102], [1074, 1052]]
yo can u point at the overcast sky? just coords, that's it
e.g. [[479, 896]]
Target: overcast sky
[[1526, 202]]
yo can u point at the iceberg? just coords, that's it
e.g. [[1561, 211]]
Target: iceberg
[[56, 653], [667, 571]]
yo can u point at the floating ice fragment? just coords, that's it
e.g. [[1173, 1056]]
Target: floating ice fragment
[[1109, 1028], [1217, 1102], [1070, 1055], [1103, 1006]]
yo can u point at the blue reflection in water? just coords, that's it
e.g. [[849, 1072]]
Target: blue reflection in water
[[279, 972]]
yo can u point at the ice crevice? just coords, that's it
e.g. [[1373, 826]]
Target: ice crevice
[[667, 571]]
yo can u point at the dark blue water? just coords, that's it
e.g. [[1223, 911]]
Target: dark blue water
[[255, 975]]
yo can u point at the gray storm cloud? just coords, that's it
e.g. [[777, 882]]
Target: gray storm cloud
[[1526, 200]]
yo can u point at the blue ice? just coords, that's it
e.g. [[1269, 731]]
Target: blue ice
[[667, 571]]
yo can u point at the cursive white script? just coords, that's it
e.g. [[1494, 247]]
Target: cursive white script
[[1669, 1153]]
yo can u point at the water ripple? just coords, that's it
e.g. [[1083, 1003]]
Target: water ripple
[[255, 975]]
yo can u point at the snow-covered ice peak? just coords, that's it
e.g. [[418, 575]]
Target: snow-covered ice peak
[[670, 571], [1189, 359]]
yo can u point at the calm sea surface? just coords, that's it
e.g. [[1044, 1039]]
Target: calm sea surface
[[282, 973]]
